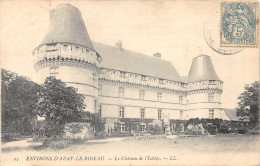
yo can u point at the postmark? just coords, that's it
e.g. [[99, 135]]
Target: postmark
[[239, 24], [213, 41]]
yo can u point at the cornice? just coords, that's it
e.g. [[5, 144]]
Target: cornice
[[66, 62], [137, 86]]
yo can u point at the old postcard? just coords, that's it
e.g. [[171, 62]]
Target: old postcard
[[129, 82]]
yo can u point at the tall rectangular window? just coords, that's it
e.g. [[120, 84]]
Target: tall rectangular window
[[211, 113], [159, 114], [121, 112], [159, 96], [122, 127], [180, 99], [53, 71], [94, 79], [121, 92], [77, 48], [141, 94], [142, 113], [142, 127], [65, 47], [100, 110], [211, 97], [181, 114], [99, 90]]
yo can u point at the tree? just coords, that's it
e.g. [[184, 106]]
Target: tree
[[19, 96], [59, 105], [95, 120], [248, 105]]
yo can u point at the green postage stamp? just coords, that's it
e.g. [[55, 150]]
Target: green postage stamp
[[239, 24]]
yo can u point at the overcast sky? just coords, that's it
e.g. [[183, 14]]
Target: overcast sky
[[173, 28]]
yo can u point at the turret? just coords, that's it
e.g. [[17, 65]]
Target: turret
[[67, 53], [204, 89]]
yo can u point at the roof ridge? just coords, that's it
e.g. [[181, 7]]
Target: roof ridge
[[133, 52]]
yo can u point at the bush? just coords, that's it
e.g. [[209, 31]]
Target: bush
[[56, 144], [212, 129], [101, 135]]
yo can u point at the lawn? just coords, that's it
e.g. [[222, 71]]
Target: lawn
[[217, 150]]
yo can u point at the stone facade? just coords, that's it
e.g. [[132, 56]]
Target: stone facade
[[120, 84]]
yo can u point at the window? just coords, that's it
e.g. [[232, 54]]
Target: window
[[211, 114], [121, 112], [65, 47], [212, 82], [141, 94], [181, 114], [211, 97], [77, 48], [87, 51], [95, 105], [142, 113], [121, 92], [122, 127], [94, 79], [159, 96], [161, 81], [159, 114], [99, 90], [143, 78], [182, 85], [122, 74], [100, 110], [180, 99], [53, 71], [173, 127], [142, 127]]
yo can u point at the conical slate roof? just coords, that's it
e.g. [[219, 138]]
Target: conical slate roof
[[67, 26], [202, 69]]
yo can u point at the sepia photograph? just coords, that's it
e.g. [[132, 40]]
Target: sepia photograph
[[112, 82]]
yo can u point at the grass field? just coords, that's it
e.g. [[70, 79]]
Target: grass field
[[217, 150]]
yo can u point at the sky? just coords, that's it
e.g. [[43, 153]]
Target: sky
[[173, 28]]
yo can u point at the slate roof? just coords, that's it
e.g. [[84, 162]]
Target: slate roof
[[133, 62], [231, 114], [67, 26], [202, 69]]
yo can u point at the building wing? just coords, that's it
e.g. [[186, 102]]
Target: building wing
[[129, 61]]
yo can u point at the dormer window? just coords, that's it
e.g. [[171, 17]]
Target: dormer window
[[161, 81], [143, 78], [122, 74], [212, 82]]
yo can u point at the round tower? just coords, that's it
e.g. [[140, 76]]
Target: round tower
[[67, 53], [204, 89]]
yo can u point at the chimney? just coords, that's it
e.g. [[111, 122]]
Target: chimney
[[119, 46], [157, 55]]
